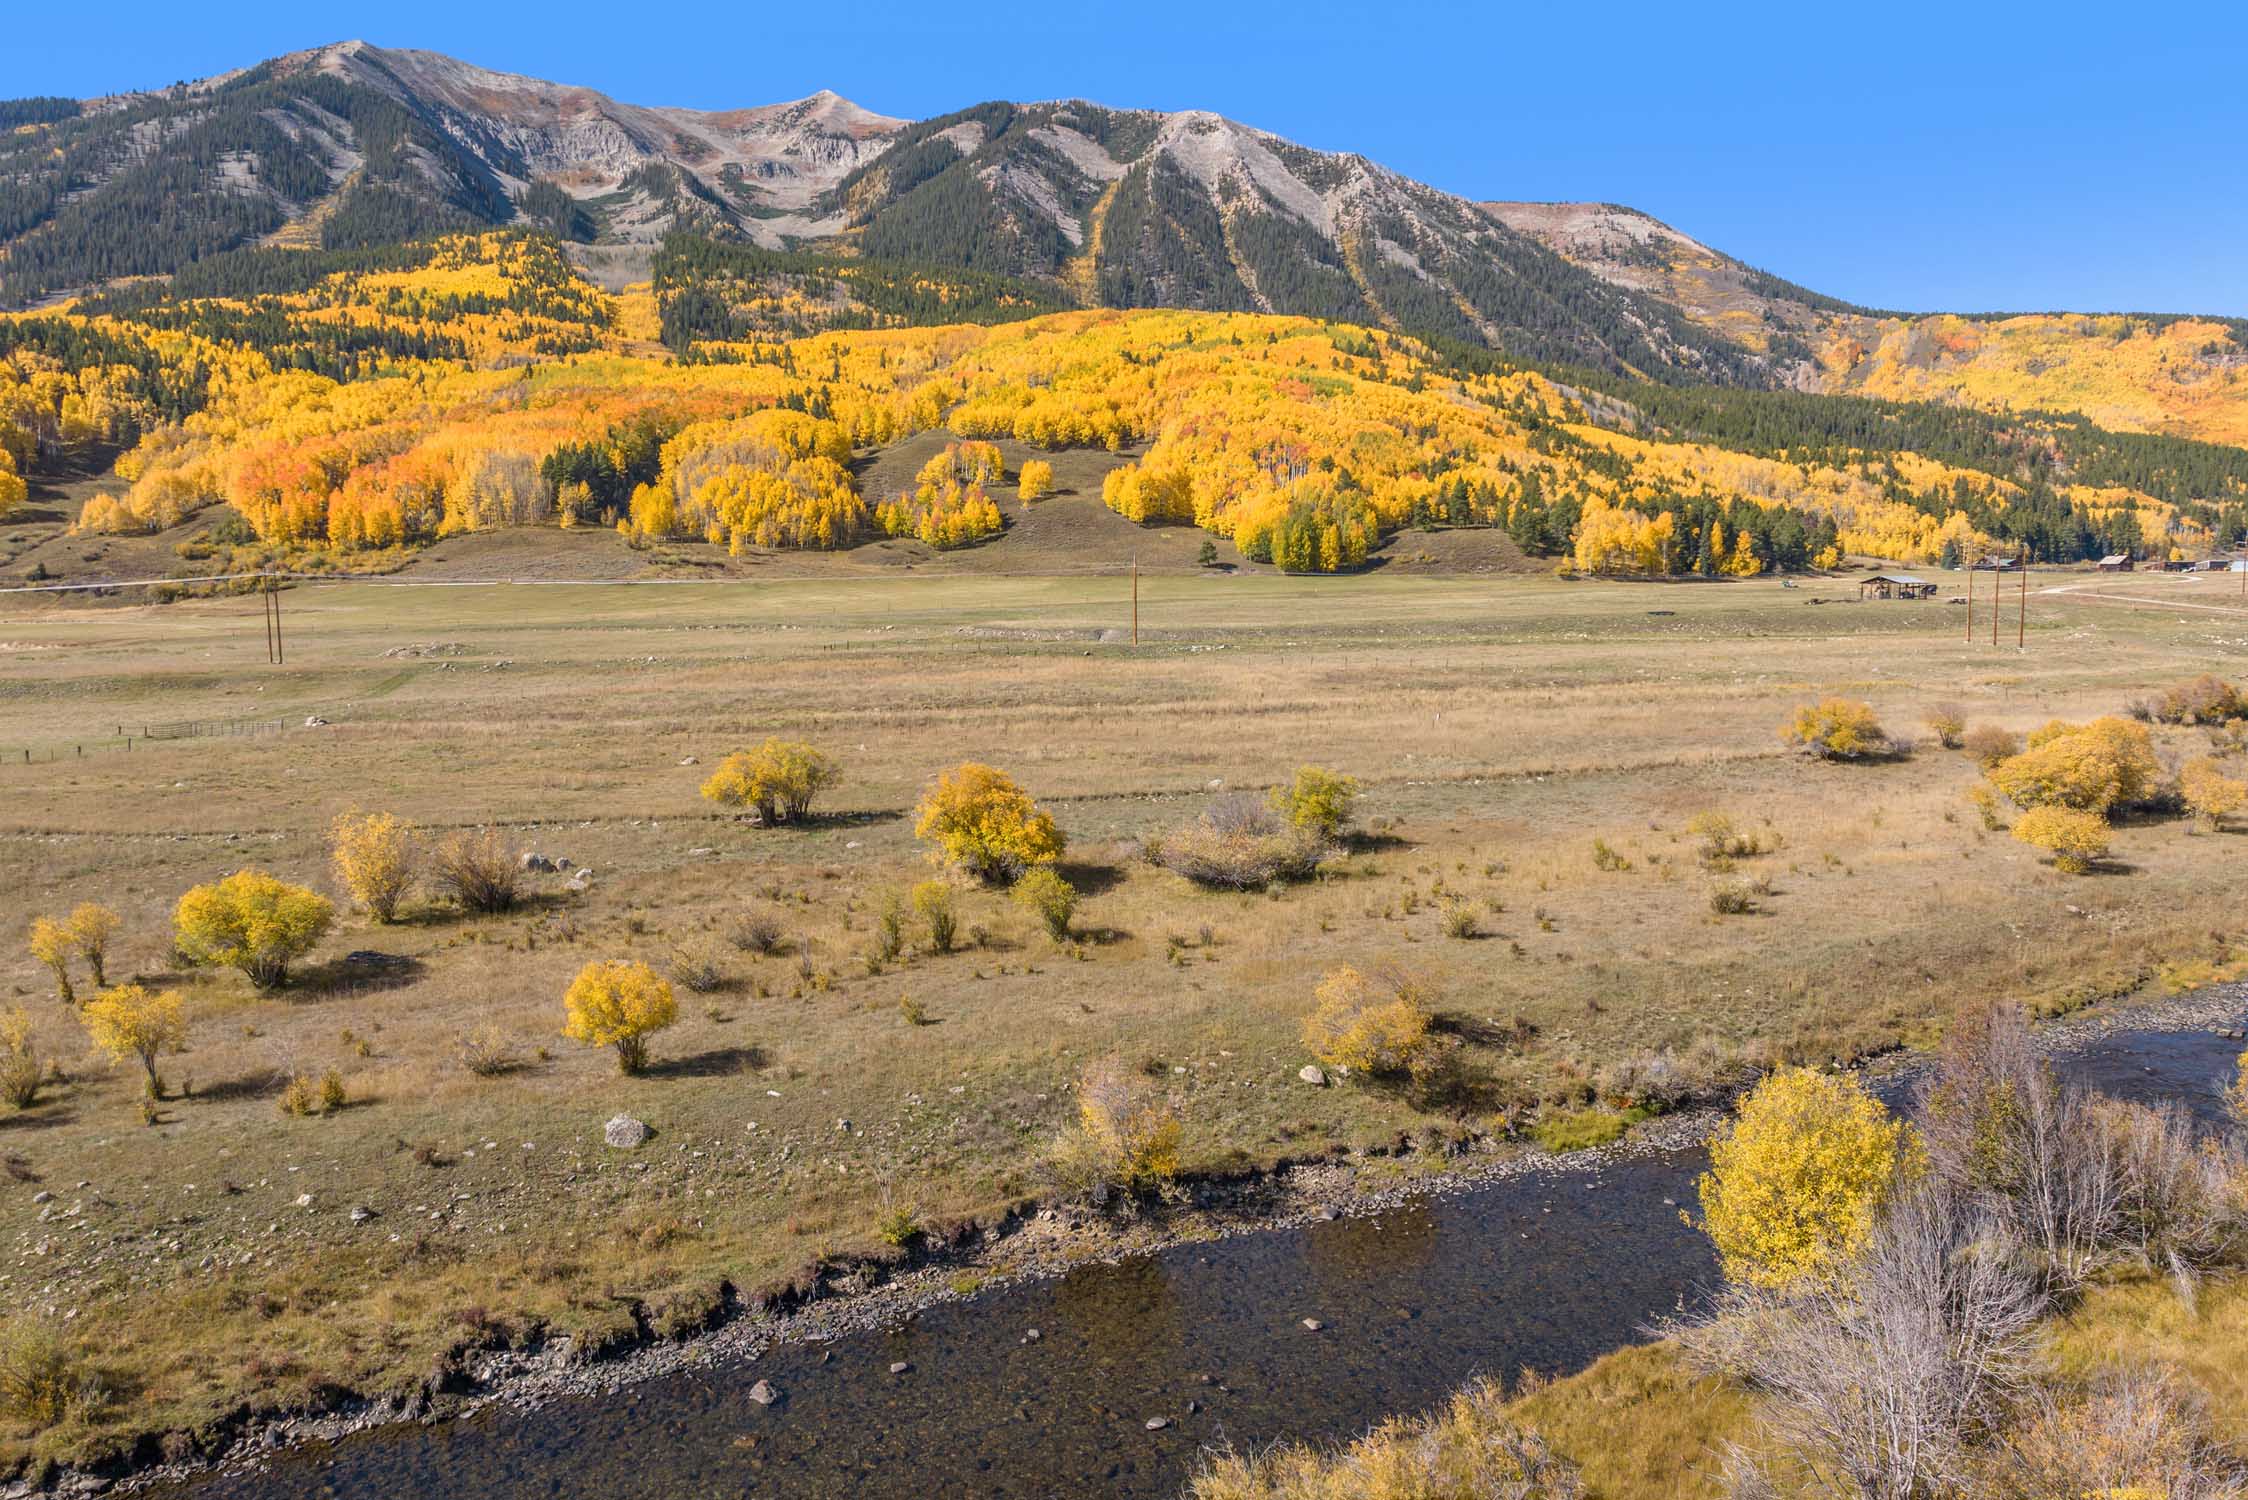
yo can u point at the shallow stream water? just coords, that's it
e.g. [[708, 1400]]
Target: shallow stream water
[[1545, 1271]]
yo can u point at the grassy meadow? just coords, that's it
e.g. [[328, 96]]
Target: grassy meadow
[[1500, 725]]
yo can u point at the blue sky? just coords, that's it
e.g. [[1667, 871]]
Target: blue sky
[[1966, 156]]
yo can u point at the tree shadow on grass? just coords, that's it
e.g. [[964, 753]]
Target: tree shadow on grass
[[1363, 842], [718, 1062], [259, 1083], [1090, 879], [42, 1116], [360, 972]]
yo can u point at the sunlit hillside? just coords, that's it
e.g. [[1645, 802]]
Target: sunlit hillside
[[351, 407]]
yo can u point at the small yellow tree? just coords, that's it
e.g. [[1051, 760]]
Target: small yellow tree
[[618, 1004], [2076, 840], [779, 780], [1318, 801], [2210, 792], [128, 1022], [51, 943], [92, 928], [1947, 723], [1798, 1180], [986, 825], [1036, 481], [252, 922], [1836, 729], [374, 856]]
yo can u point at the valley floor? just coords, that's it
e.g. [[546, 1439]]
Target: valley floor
[[1501, 725]]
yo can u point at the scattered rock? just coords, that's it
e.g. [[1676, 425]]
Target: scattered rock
[[314, 721], [1312, 1074], [1032, 1336], [360, 1213], [1157, 1424], [535, 861], [304, 1200], [1313, 1325], [625, 1133], [704, 852], [42, 1196], [901, 1366], [686, 760], [764, 1393]]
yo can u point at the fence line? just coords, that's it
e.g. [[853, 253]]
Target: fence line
[[200, 729]]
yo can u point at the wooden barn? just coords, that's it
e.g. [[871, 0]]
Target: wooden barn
[[2115, 562], [1895, 586]]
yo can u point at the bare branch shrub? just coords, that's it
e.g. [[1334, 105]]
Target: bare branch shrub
[[1998, 1128], [759, 932], [477, 869], [2135, 1432], [1881, 1381]]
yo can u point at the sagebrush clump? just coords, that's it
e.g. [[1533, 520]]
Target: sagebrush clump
[[1241, 844]]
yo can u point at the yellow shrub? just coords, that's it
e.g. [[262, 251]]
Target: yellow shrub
[[1318, 802], [129, 1022], [374, 855], [1052, 897], [932, 902], [252, 922], [1378, 1027], [2092, 767], [21, 1072], [1132, 1134], [2076, 840], [618, 1004], [779, 780], [983, 823], [1836, 728], [1036, 481], [1798, 1179], [2209, 792]]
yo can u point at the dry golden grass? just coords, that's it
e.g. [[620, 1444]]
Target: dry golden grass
[[1500, 727], [1640, 1425]]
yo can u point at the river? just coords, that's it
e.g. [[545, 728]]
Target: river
[[1543, 1271]]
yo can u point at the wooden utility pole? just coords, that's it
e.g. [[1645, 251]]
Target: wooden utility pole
[[2021, 621], [1135, 599], [1997, 582], [1970, 602]]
